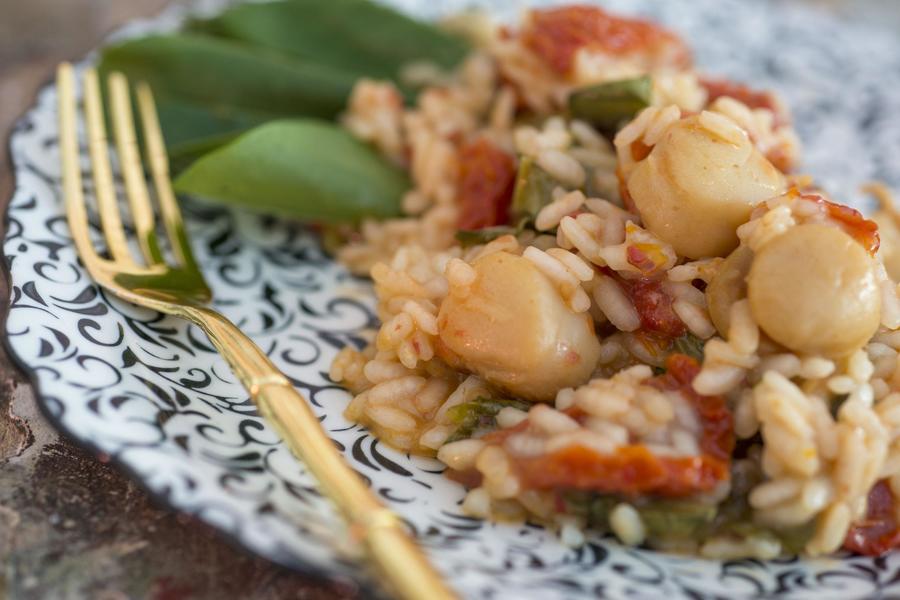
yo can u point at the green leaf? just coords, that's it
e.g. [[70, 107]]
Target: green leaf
[[231, 79], [480, 412], [533, 191], [183, 155], [184, 122], [607, 105], [358, 36], [305, 169], [190, 130]]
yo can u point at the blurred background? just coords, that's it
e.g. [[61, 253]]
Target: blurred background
[[70, 526], [37, 34]]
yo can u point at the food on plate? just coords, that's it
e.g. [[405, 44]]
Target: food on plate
[[510, 303], [607, 302], [815, 291], [611, 305], [704, 174]]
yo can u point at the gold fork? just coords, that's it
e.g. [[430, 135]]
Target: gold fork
[[179, 289]]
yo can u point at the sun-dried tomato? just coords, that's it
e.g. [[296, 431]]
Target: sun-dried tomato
[[487, 176], [629, 470], [654, 306], [716, 88], [634, 469], [878, 532], [852, 221], [717, 437], [469, 478], [557, 34]]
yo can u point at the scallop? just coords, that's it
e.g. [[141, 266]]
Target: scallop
[[814, 290], [699, 183], [512, 327]]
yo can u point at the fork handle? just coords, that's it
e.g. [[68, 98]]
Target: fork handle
[[399, 560]]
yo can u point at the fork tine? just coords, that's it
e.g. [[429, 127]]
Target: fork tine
[[132, 171], [68, 147], [102, 172], [159, 167]]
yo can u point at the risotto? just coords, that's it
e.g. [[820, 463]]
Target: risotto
[[611, 306]]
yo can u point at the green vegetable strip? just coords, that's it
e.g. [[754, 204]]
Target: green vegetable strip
[[690, 345], [694, 521], [470, 416], [534, 190], [662, 518], [608, 105]]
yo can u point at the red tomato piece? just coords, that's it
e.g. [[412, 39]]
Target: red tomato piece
[[878, 531], [654, 306], [716, 88], [717, 439], [852, 221], [630, 470], [557, 34], [487, 176], [633, 469], [470, 478]]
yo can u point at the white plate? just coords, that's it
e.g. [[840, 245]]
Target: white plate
[[149, 391]]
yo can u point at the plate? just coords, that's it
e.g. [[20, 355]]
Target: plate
[[150, 393]]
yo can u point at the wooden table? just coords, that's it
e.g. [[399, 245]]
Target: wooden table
[[70, 525]]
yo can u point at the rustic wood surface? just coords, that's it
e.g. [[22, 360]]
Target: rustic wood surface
[[70, 525]]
